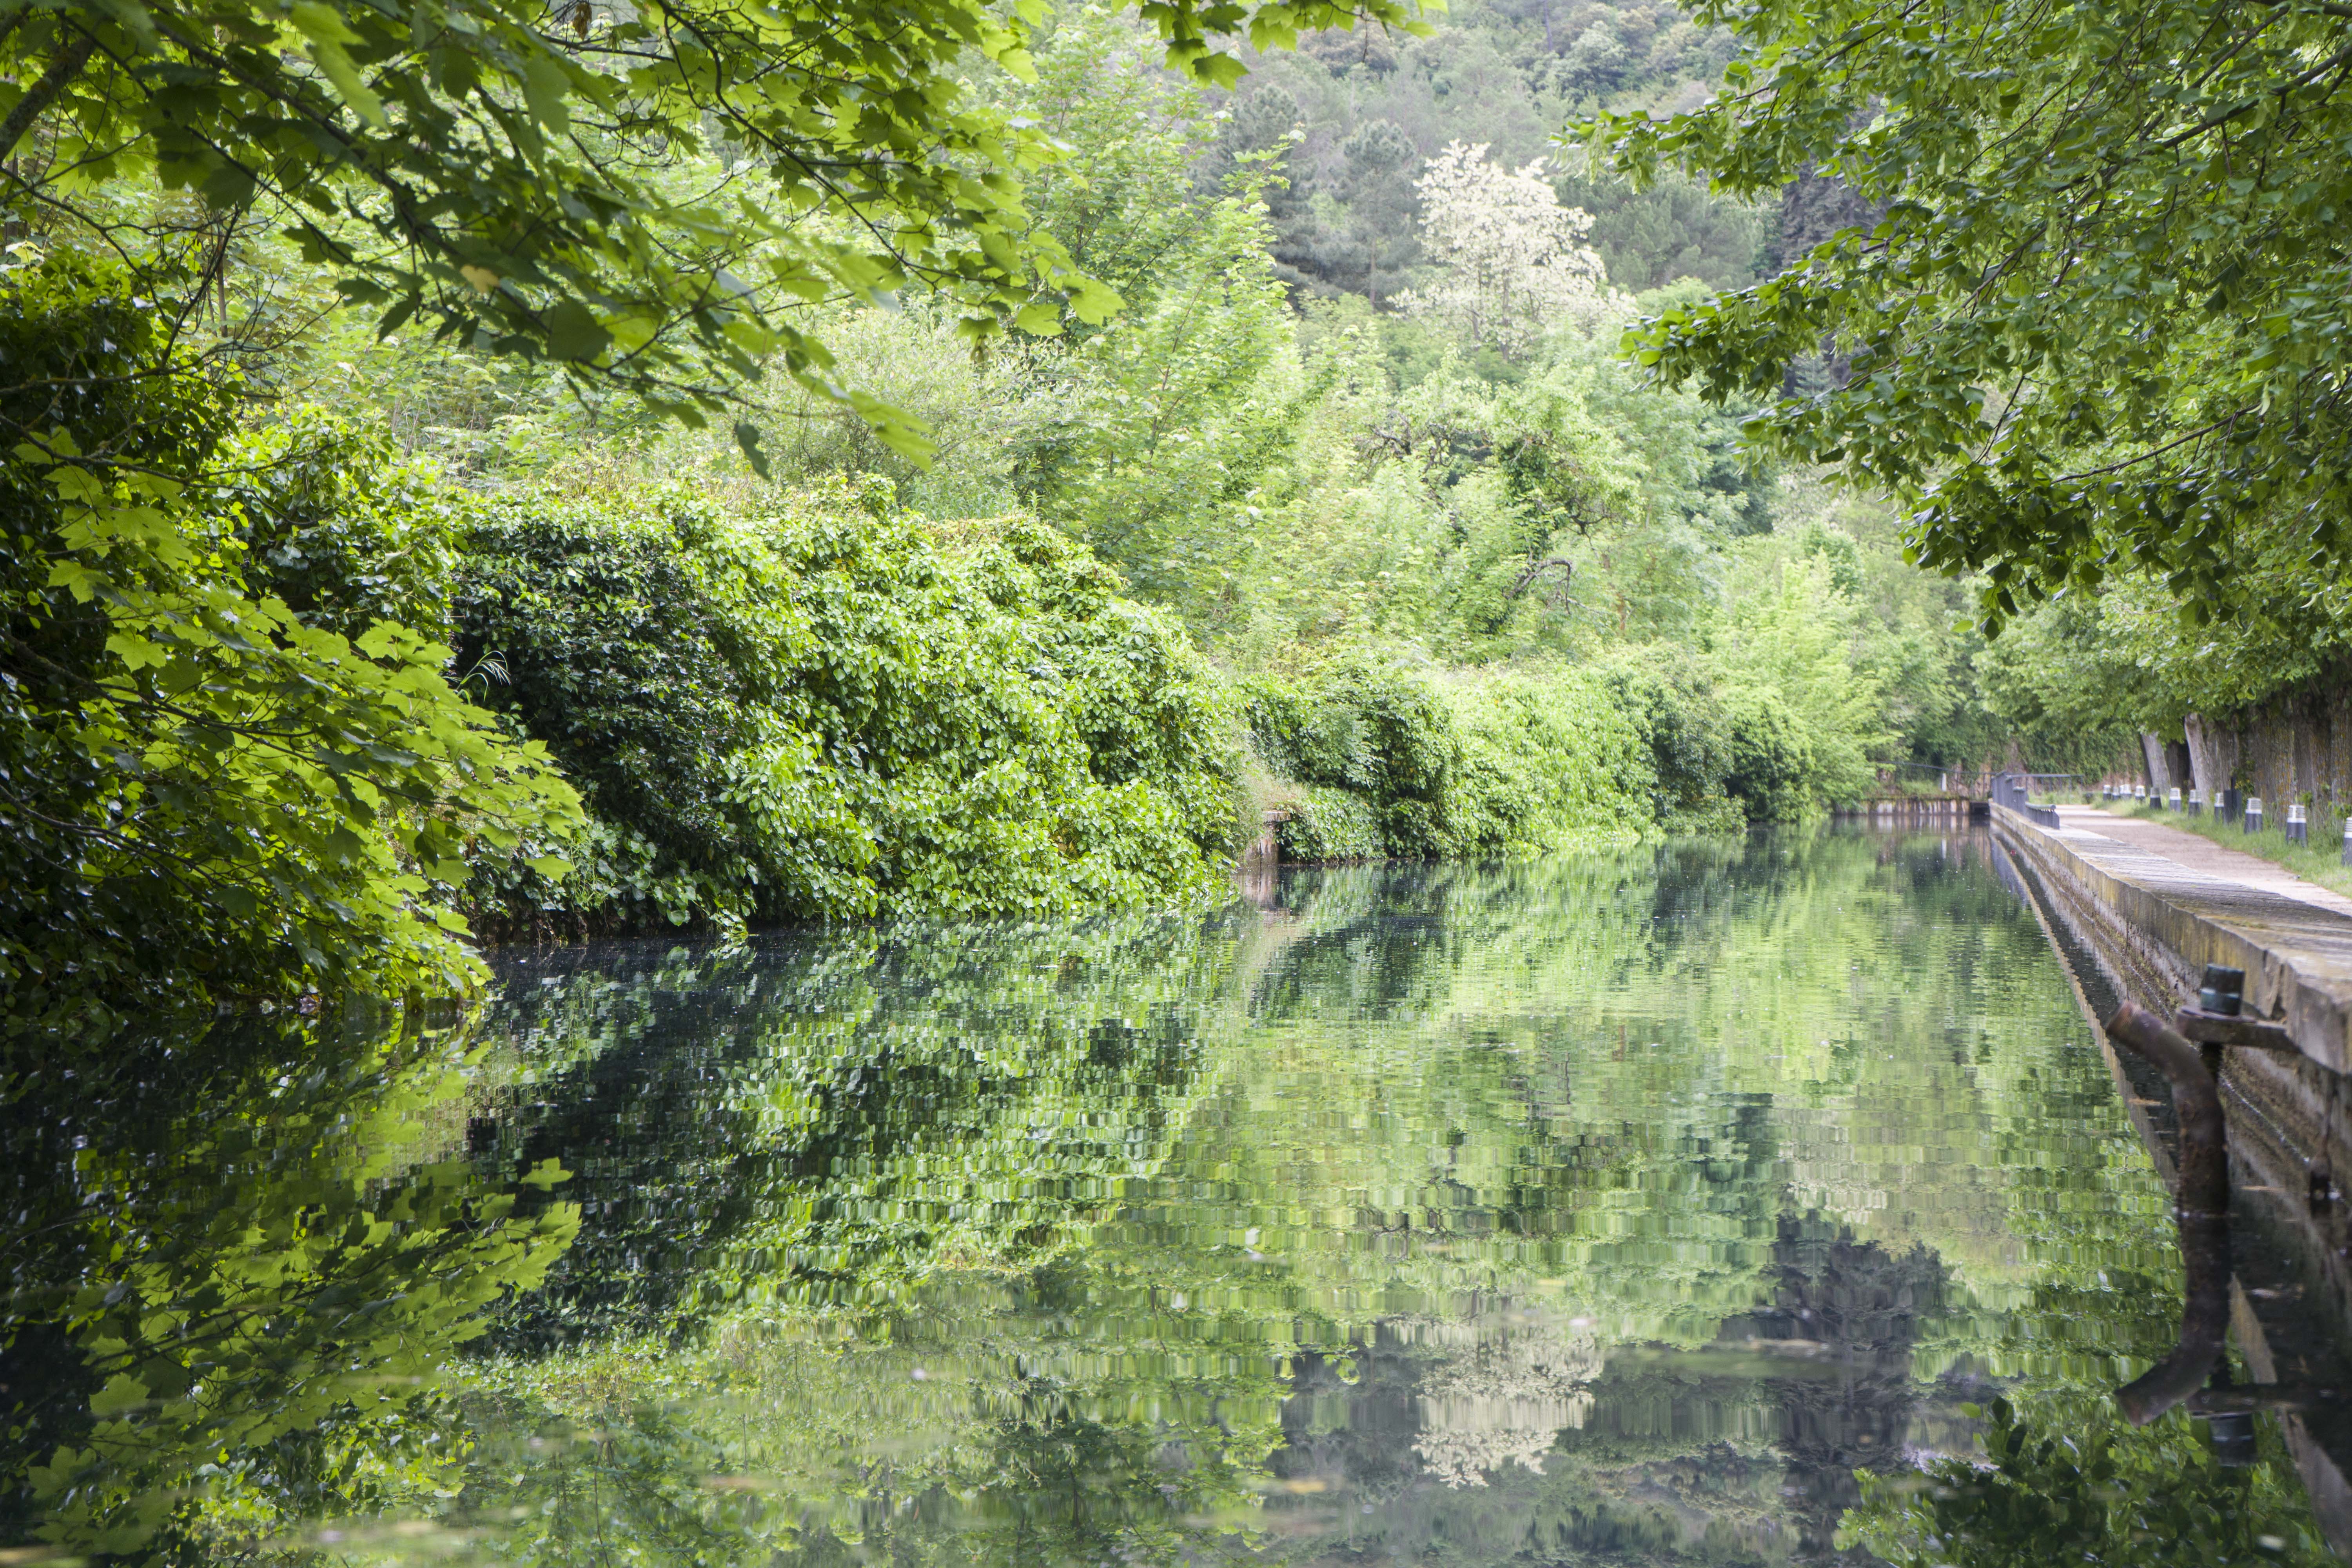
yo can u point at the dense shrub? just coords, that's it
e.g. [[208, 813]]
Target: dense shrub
[[1527, 757], [1551, 757], [1773, 773], [1329, 825], [76, 339], [1504, 762], [821, 706], [1687, 728], [330, 517], [229, 768], [1382, 734]]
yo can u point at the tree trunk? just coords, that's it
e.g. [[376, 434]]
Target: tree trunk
[[2151, 750], [2201, 756], [2213, 756]]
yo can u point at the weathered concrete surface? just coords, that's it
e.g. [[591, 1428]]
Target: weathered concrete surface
[[2192, 902], [2199, 853], [2152, 923], [2116, 901]]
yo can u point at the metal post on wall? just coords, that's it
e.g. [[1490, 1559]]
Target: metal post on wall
[[2190, 1055], [2201, 1212], [2196, 1100]]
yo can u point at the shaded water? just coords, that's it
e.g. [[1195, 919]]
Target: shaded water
[[1612, 1209]]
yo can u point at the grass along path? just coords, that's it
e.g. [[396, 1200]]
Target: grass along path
[[2320, 861]]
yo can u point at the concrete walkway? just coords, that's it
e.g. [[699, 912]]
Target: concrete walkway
[[2199, 853], [2201, 903]]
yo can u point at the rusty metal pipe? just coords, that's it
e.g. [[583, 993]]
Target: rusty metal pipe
[[2200, 1209], [2204, 1323], [2204, 1186]]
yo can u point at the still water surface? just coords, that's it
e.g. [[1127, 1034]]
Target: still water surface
[[1624, 1209]]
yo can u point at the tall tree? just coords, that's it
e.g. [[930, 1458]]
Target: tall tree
[[1377, 165], [641, 193], [1513, 262], [2102, 318]]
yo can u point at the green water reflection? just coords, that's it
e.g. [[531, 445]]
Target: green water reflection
[[1615, 1209]]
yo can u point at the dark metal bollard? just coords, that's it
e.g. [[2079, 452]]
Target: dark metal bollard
[[2230, 1432], [2223, 990], [2228, 808]]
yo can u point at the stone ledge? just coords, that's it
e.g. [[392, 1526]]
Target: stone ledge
[[2297, 956]]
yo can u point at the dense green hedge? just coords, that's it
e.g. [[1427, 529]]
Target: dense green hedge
[[820, 706], [1379, 734], [1386, 761], [1389, 762], [1773, 771], [1692, 734], [1329, 825]]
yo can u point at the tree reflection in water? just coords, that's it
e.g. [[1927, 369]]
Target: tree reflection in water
[[1609, 1209], [239, 1266]]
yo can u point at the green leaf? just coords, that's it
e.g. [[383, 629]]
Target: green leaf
[[747, 439], [575, 333], [122, 1394], [328, 33]]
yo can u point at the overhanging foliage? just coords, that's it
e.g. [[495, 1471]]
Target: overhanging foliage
[[2102, 321], [641, 193]]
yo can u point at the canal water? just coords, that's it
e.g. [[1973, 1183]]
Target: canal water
[[1764, 1201]]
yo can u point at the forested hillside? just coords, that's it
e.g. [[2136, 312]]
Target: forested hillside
[[1359, 424], [555, 494]]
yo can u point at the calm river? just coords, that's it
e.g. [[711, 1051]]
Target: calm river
[[1634, 1208]]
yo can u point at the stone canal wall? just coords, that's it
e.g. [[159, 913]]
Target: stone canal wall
[[2173, 918], [2134, 925], [1914, 808], [2151, 925]]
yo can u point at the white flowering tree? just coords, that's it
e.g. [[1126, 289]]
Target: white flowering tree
[[1513, 264]]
